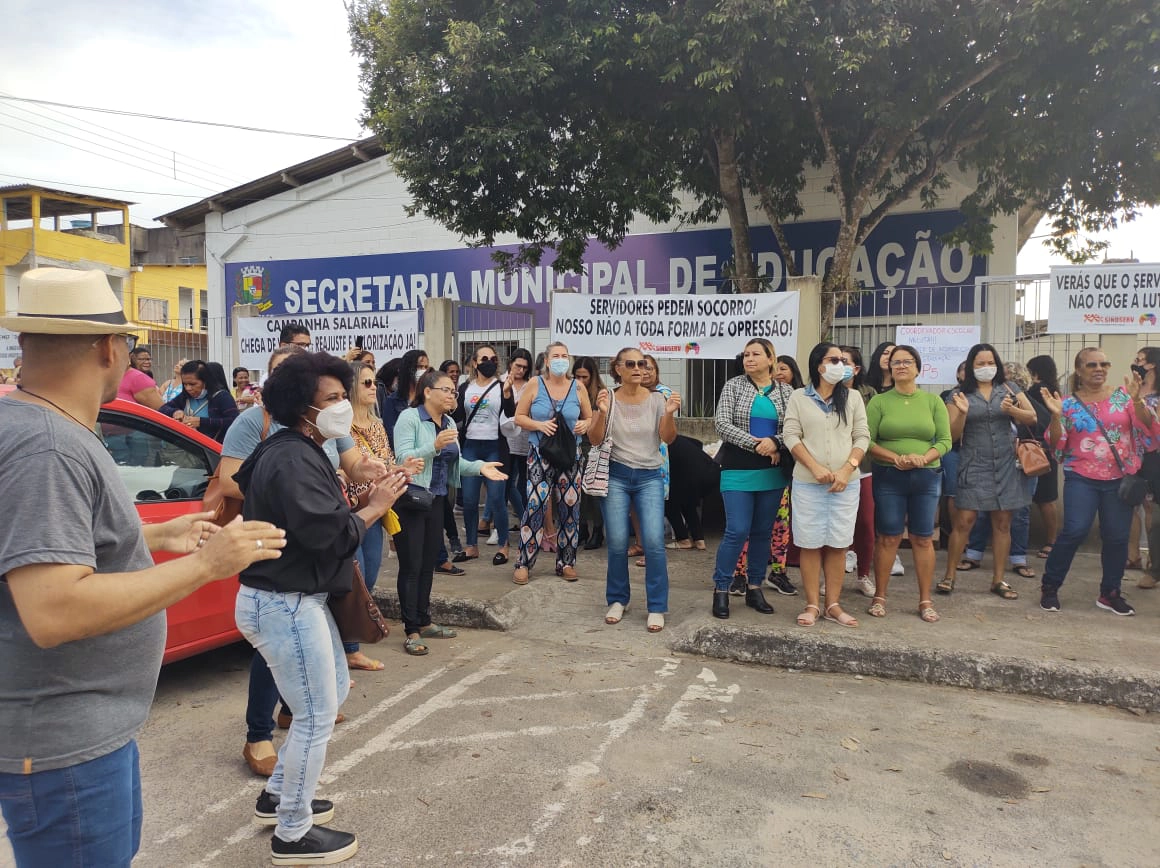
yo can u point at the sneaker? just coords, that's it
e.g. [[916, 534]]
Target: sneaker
[[851, 561], [738, 588], [779, 581], [897, 569], [493, 540], [1049, 599], [266, 811], [865, 586], [319, 846], [1113, 602]]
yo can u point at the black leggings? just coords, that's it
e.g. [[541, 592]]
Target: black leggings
[[685, 511], [417, 546]]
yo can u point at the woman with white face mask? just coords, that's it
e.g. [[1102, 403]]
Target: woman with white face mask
[[982, 411], [827, 434]]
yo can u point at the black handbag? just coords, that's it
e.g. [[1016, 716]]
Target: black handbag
[[1133, 489], [559, 449], [415, 499]]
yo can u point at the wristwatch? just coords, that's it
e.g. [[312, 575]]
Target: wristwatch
[[853, 463]]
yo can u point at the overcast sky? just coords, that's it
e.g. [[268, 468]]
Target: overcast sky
[[281, 64]]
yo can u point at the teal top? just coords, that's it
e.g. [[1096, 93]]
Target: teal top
[[763, 422], [416, 438]]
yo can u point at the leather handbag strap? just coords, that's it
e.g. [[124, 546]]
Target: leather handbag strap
[[1103, 431]]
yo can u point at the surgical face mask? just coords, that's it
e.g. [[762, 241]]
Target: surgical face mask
[[847, 373], [488, 369], [833, 374], [419, 372], [986, 373], [334, 421], [559, 367]]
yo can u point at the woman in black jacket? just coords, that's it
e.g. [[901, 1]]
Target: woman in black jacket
[[282, 611], [205, 402]]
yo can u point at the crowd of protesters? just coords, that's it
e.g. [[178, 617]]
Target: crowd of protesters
[[828, 467]]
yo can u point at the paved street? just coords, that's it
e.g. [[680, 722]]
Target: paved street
[[501, 749]]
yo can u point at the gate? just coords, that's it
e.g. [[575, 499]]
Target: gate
[[483, 325]]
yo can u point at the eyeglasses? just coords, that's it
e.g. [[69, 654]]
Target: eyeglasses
[[303, 344], [635, 363], [902, 363], [368, 383], [446, 389], [488, 359], [833, 360], [1091, 366]]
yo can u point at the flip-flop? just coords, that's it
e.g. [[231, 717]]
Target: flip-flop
[[677, 545], [370, 666], [436, 631], [966, 565], [1044, 552], [634, 550], [1023, 570], [640, 562]]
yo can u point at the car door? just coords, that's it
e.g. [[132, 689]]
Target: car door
[[165, 467]]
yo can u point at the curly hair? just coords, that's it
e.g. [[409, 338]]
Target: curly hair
[[290, 389]]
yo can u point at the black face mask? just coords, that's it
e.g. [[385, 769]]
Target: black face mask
[[1141, 371], [488, 369]]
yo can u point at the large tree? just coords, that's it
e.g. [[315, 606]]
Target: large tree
[[558, 120]]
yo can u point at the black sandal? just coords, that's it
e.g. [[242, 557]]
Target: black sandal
[[1023, 571], [946, 586], [966, 565], [1004, 591]]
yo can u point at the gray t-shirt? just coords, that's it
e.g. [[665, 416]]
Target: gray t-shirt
[[635, 432], [245, 434], [66, 505]]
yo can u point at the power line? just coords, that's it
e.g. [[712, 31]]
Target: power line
[[87, 108], [133, 141]]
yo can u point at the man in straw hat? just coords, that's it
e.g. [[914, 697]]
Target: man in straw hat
[[82, 627]]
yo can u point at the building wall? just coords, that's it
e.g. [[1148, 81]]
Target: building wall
[[361, 211], [163, 283]]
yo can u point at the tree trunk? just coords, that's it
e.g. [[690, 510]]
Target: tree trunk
[[729, 177], [836, 287]]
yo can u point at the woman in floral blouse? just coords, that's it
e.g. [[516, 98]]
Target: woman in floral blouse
[[1092, 471]]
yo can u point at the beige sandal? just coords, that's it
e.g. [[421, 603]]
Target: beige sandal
[[655, 622], [927, 612], [878, 610], [615, 613], [841, 618], [805, 619]]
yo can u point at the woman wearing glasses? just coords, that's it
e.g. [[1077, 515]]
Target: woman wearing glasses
[[826, 432], [427, 431], [637, 420], [478, 412], [1099, 433], [909, 433], [750, 417]]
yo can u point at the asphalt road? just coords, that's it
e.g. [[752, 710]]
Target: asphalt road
[[500, 749]]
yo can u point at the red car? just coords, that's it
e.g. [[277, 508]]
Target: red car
[[166, 466]]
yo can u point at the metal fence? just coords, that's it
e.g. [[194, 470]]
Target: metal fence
[[504, 329]]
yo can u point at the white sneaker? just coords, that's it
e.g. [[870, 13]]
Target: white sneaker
[[897, 569], [493, 540], [851, 561], [865, 586]]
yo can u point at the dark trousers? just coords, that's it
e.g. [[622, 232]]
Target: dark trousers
[[263, 696], [417, 546], [684, 514]]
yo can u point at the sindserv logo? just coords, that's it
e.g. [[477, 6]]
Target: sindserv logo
[[650, 347], [1148, 319]]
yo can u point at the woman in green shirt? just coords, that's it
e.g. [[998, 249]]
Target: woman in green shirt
[[909, 433]]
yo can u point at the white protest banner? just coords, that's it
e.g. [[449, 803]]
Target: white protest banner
[[386, 334], [1115, 298], [674, 326], [942, 349], [9, 348]]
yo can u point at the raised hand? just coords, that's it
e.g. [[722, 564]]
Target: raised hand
[[602, 400], [673, 404], [1132, 386], [445, 438], [961, 403], [386, 491], [1053, 401], [239, 544]]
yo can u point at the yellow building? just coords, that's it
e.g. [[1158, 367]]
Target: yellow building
[[156, 284]]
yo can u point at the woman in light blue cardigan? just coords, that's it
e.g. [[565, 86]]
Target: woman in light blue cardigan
[[425, 430]]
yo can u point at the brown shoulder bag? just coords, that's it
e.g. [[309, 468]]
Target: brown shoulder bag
[[356, 614]]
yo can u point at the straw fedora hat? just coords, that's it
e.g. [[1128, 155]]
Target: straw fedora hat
[[64, 301]]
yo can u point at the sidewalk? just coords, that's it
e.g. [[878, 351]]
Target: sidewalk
[[1082, 654]]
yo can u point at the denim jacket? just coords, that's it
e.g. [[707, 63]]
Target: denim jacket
[[415, 438]]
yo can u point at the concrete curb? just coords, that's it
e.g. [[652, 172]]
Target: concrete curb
[[1100, 685], [458, 611]]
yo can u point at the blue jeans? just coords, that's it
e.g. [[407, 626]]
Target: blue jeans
[[370, 558], [297, 636], [644, 491], [87, 814], [1083, 498], [905, 500], [749, 516], [483, 450]]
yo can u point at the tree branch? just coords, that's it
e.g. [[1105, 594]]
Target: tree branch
[[827, 141]]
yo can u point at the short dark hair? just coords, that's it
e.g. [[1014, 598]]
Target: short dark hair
[[447, 363], [289, 331], [237, 371], [970, 384], [289, 390], [140, 350], [790, 362], [906, 348], [427, 381], [1045, 369]]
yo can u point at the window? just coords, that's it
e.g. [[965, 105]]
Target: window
[[153, 310], [203, 301], [153, 463]]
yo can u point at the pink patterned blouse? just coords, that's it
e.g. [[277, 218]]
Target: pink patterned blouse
[[1083, 449]]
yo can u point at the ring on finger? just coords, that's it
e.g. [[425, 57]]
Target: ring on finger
[[258, 543]]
